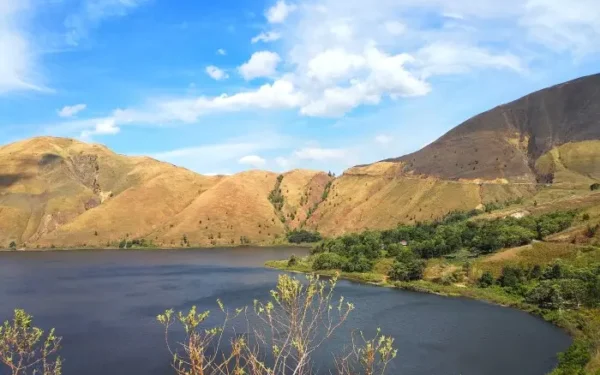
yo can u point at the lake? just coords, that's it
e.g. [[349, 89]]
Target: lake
[[104, 304]]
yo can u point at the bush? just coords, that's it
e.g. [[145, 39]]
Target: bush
[[407, 271], [293, 261], [574, 360], [303, 236], [595, 186], [328, 261], [486, 280], [13, 245], [358, 264], [511, 277], [25, 350]]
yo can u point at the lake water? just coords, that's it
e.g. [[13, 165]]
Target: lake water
[[104, 304]]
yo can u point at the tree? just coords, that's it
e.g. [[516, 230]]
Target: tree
[[25, 349], [13, 245], [292, 261], [282, 335], [328, 261], [407, 271], [486, 280], [595, 186]]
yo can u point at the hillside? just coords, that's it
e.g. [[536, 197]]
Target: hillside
[[60, 192], [541, 147]]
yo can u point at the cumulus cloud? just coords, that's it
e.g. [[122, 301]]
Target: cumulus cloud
[[338, 55], [266, 37], [106, 126], [221, 52], [71, 110], [216, 73], [320, 154], [279, 12], [261, 64], [253, 160]]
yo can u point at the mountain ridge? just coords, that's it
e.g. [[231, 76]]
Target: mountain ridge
[[62, 192]]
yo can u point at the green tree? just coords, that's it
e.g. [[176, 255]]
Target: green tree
[[328, 261], [486, 280], [13, 245], [26, 349]]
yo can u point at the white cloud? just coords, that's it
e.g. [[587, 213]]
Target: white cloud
[[279, 12], [71, 110], [220, 156], [91, 13], [221, 52], [253, 160], [334, 64], [18, 62], [261, 64], [449, 58], [269, 36], [320, 154], [106, 126], [383, 139], [395, 27], [216, 73]]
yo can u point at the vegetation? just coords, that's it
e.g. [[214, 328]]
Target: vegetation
[[298, 236], [13, 245], [458, 255], [436, 239], [275, 196], [135, 243], [595, 186], [26, 349]]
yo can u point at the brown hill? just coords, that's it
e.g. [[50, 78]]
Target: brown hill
[[505, 142], [514, 150], [61, 192]]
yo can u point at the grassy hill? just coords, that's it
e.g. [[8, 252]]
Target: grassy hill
[[542, 148]]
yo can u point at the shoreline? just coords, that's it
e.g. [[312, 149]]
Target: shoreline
[[572, 322], [191, 248]]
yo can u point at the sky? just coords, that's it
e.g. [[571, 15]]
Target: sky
[[224, 86]]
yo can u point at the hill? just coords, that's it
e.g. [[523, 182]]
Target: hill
[[542, 148]]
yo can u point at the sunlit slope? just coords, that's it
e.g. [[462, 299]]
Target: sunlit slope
[[232, 211], [376, 197], [572, 165], [302, 191], [47, 182]]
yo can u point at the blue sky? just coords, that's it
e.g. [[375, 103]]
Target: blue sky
[[224, 86]]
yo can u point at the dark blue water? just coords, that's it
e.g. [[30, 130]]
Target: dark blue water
[[104, 304]]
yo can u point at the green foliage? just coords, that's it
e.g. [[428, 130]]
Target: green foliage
[[275, 196], [407, 271], [448, 236], [26, 349], [293, 261], [573, 361], [13, 245], [486, 280], [511, 277], [595, 186], [303, 236], [135, 243], [328, 261]]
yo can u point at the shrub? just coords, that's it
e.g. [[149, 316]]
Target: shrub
[[328, 261], [408, 271], [13, 245], [25, 349], [511, 277], [595, 186], [303, 236], [293, 261], [358, 264], [486, 280]]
